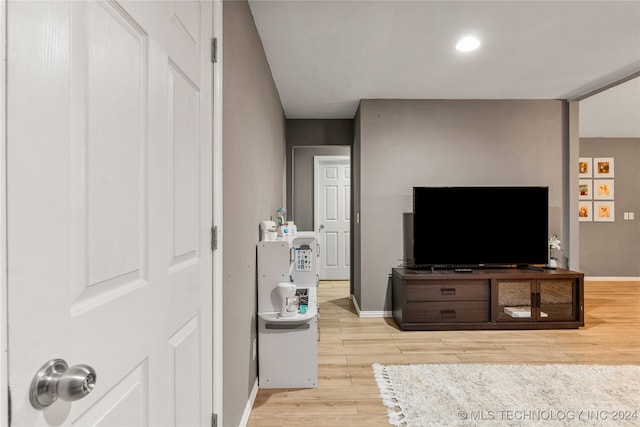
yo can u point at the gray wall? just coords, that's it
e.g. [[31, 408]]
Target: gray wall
[[305, 139], [253, 171], [405, 143], [609, 249]]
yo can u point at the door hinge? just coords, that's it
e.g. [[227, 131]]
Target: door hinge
[[214, 49], [214, 237], [214, 420]]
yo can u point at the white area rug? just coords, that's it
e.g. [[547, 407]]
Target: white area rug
[[472, 394]]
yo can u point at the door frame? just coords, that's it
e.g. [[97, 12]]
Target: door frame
[[217, 275], [4, 307], [317, 160]]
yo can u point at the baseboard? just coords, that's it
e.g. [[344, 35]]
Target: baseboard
[[355, 304], [611, 279], [384, 313], [361, 313], [247, 410]]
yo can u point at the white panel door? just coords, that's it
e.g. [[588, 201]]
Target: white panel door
[[332, 215], [109, 198]]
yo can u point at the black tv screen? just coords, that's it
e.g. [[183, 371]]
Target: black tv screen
[[480, 226]]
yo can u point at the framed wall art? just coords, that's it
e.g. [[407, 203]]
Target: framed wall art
[[603, 211], [585, 211], [584, 167], [603, 167], [585, 189], [603, 189]]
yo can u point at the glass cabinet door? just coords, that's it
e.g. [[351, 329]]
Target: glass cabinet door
[[535, 300], [557, 299], [515, 300]]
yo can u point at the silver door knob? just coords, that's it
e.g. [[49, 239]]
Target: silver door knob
[[56, 380]]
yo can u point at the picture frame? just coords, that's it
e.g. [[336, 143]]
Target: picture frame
[[585, 189], [604, 211], [603, 167], [585, 166], [585, 211], [603, 189]]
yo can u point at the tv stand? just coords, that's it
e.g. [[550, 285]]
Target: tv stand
[[488, 298]]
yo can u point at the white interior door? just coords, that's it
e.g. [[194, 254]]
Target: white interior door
[[109, 159], [332, 215]]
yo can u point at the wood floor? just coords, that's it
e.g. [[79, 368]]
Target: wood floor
[[347, 394]]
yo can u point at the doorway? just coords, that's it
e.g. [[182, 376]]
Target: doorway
[[332, 215]]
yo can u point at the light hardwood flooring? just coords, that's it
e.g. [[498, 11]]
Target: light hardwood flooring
[[347, 394]]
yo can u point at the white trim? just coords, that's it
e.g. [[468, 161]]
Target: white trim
[[355, 304], [360, 313], [611, 279], [4, 305], [217, 219], [385, 313], [247, 409]]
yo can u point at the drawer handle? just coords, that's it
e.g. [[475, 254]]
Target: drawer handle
[[448, 291], [448, 314]]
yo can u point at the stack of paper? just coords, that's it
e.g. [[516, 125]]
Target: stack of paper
[[518, 311], [521, 312]]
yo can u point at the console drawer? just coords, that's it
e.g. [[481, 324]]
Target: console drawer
[[447, 290], [448, 312]]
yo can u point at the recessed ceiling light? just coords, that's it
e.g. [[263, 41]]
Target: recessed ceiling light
[[467, 44]]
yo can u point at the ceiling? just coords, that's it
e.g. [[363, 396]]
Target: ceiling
[[327, 55]]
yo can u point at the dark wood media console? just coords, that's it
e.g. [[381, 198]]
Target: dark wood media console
[[500, 298]]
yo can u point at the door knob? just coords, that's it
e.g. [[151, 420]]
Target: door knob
[[321, 226], [57, 380]]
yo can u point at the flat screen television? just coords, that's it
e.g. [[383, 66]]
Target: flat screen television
[[480, 226]]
